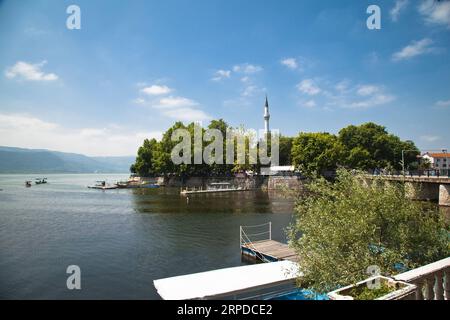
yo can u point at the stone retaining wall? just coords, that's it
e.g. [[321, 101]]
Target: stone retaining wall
[[254, 182]]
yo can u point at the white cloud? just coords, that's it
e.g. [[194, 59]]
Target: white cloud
[[442, 103], [27, 71], [178, 108], [373, 101], [247, 84], [399, 6], [308, 87], [291, 63], [187, 114], [176, 102], [156, 90], [27, 131], [435, 12], [309, 104], [342, 86], [357, 96], [139, 101], [221, 74], [414, 49], [245, 79], [175, 107], [430, 138], [367, 90], [247, 68], [250, 91]]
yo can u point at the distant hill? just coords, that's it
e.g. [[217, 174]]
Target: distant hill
[[18, 160]]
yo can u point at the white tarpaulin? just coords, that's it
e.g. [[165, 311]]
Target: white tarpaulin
[[225, 281]]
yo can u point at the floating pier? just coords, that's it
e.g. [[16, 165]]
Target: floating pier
[[263, 248], [213, 188]]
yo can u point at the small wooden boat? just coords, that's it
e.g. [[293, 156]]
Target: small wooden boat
[[122, 185], [103, 186], [27, 184], [134, 185], [40, 180]]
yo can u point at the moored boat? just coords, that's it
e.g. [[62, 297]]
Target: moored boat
[[103, 186], [132, 184], [40, 180]]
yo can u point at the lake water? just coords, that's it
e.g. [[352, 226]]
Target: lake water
[[121, 239]]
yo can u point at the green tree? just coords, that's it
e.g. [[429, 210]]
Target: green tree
[[370, 146], [221, 169], [144, 160], [344, 227], [425, 164], [249, 141], [314, 153], [285, 144]]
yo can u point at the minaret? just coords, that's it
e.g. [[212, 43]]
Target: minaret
[[266, 117]]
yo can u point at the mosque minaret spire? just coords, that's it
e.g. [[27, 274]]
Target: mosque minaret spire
[[266, 117]]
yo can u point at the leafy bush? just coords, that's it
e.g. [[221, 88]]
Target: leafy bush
[[343, 227]]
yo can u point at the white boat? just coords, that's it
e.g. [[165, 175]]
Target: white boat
[[103, 186]]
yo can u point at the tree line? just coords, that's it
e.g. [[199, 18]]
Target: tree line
[[364, 147]]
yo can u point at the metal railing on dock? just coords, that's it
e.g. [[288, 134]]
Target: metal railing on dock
[[256, 241], [247, 239], [245, 235]]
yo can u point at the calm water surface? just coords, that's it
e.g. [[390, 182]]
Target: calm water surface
[[121, 239]]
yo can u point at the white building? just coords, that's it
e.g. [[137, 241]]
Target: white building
[[439, 160]]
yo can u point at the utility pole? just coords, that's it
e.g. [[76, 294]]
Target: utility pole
[[403, 159]]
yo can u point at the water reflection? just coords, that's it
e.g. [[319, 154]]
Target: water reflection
[[168, 200]]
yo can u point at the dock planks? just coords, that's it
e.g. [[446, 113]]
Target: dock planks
[[279, 251]]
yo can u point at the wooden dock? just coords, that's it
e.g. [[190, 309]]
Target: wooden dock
[[266, 250], [187, 192], [269, 251], [215, 187]]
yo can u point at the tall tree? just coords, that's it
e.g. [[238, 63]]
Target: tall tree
[[315, 153], [285, 144], [370, 146], [144, 160]]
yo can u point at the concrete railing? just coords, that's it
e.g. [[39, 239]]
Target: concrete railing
[[432, 280]]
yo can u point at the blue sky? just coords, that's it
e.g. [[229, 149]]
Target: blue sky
[[135, 67]]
